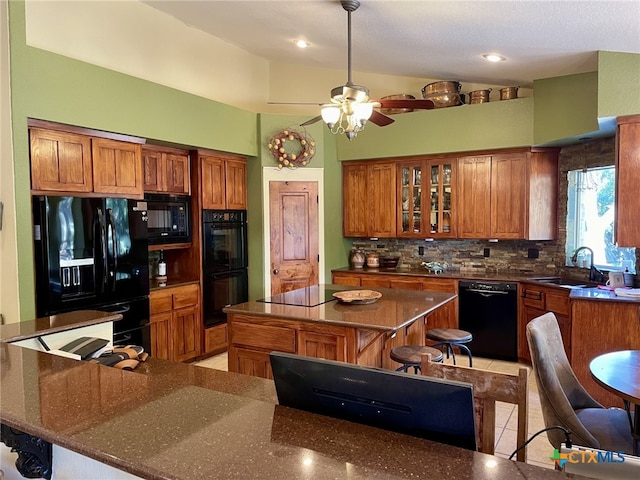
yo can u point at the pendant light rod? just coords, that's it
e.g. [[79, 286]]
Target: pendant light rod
[[349, 6]]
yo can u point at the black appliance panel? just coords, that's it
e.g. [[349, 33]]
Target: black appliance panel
[[224, 240], [222, 290], [88, 252], [489, 311], [169, 218]]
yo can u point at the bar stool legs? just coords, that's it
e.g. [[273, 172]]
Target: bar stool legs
[[449, 338]]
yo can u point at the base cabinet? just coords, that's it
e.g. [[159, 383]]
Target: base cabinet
[[175, 323], [252, 338], [536, 300], [600, 327], [215, 339]]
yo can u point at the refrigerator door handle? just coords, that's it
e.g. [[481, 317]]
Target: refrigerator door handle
[[102, 247], [114, 246]]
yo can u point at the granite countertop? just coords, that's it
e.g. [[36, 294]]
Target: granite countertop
[[176, 421], [600, 294], [395, 309], [14, 332], [455, 274]]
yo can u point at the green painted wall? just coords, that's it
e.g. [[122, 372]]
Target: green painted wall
[[52, 87], [565, 107], [502, 124], [618, 84]]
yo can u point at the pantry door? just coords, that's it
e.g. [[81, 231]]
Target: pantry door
[[293, 213]]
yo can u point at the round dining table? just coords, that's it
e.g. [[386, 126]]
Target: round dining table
[[619, 373]]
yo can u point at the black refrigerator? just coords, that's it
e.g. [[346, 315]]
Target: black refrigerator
[[92, 253]]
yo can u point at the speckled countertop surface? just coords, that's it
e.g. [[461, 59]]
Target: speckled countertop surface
[[14, 332], [589, 293], [395, 309], [177, 421]]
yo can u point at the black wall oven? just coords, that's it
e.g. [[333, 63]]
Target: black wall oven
[[225, 262]]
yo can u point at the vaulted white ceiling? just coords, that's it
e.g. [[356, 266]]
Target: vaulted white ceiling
[[425, 38]]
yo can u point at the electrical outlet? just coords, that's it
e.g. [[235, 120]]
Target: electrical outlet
[[420, 250], [533, 253], [487, 252]]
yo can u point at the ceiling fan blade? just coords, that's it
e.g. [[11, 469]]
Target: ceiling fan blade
[[294, 103], [311, 121], [380, 119], [415, 104]]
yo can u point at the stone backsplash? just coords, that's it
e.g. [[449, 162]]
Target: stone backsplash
[[528, 257]]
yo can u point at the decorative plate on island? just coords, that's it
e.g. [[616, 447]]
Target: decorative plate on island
[[357, 297]]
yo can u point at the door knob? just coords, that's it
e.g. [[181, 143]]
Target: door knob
[[276, 271]]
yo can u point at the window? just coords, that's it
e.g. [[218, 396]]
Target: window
[[590, 214]]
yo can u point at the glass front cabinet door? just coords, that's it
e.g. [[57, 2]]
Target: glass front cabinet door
[[441, 180], [410, 177]]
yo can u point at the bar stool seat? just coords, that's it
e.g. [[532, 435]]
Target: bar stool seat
[[449, 338], [411, 356]]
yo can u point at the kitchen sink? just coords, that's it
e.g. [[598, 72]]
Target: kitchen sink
[[561, 282]]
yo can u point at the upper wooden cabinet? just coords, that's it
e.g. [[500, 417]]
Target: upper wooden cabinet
[[60, 161], [627, 227], [117, 167], [166, 171], [369, 199], [425, 198], [511, 195], [68, 162], [224, 182]]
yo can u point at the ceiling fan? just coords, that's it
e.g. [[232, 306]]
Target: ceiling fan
[[350, 106]]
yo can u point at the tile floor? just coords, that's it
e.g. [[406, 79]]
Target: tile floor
[[539, 449]]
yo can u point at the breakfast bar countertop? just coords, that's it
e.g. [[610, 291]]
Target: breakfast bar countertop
[[14, 332], [175, 421]]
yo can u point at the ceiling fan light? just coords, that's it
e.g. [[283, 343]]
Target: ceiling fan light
[[330, 115], [363, 111]]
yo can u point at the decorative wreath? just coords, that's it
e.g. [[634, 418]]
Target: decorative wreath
[[292, 149]]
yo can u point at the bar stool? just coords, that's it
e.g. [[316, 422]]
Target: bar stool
[[449, 338], [411, 356]]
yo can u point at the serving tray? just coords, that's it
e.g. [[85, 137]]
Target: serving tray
[[357, 297]]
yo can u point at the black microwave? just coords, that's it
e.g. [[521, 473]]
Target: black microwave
[[169, 218]]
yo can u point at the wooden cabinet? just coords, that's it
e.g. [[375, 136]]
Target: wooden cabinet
[[68, 162], [176, 325], [627, 227], [166, 171], [536, 300], [215, 339], [369, 199], [508, 195], [117, 167], [601, 327], [224, 182], [60, 161]]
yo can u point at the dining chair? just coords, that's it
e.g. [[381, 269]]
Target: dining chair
[[488, 388], [564, 401]]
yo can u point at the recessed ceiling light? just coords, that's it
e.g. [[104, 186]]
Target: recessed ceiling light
[[493, 57], [302, 43]]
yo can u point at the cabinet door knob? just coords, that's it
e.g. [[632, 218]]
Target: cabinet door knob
[[276, 271]]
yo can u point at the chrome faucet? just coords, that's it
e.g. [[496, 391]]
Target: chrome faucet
[[595, 274]]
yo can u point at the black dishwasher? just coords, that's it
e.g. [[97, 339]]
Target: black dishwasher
[[489, 310]]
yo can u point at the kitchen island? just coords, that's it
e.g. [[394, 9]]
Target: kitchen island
[[311, 322], [175, 421]]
